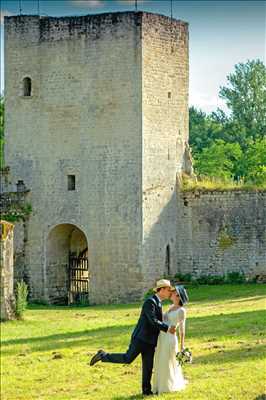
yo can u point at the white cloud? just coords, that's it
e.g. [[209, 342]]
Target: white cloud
[[205, 102], [4, 13], [101, 3], [124, 2], [88, 3]]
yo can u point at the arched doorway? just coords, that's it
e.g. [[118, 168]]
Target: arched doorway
[[67, 268]]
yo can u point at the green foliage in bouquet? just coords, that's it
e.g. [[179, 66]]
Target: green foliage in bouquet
[[184, 356]]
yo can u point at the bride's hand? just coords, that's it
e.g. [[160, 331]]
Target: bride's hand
[[172, 329]]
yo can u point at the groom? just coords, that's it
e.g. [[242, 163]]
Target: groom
[[145, 335]]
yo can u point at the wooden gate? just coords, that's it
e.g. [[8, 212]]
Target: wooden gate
[[78, 280]]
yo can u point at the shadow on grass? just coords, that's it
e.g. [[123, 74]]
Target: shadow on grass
[[133, 397], [211, 293], [250, 298], [214, 327], [71, 308], [221, 325], [261, 397], [72, 339], [236, 355]]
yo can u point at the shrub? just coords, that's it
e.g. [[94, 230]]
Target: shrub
[[230, 277], [235, 277], [21, 299], [218, 279], [183, 277], [203, 279], [211, 279]]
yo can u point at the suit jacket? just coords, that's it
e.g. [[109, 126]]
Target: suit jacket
[[150, 322]]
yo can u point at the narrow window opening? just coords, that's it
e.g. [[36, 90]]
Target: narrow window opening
[[71, 182], [169, 95], [167, 259], [27, 87]]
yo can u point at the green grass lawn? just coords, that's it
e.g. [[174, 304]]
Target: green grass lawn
[[46, 356]]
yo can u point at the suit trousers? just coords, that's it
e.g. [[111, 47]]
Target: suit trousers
[[136, 347]]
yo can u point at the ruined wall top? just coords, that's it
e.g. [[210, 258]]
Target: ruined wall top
[[92, 25]]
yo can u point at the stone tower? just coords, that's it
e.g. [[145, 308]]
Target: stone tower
[[96, 127]]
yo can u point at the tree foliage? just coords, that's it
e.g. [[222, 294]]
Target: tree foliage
[[254, 161], [246, 97], [220, 159], [234, 145]]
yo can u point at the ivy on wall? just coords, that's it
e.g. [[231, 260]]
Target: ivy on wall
[[17, 213]]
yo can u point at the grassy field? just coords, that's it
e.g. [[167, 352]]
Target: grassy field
[[46, 356]]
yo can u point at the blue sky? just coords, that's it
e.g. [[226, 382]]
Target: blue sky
[[222, 34]]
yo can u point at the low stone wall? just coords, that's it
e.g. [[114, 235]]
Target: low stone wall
[[6, 268], [221, 232]]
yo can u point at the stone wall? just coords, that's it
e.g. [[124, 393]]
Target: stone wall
[[83, 118], [6, 270], [15, 206], [21, 271], [101, 86], [165, 132], [109, 106], [220, 232]]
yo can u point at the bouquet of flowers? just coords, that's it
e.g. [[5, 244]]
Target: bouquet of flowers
[[184, 356]]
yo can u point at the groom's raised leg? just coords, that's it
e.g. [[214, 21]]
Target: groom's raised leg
[[147, 365], [133, 351]]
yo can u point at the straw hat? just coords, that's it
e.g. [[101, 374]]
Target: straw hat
[[163, 283]]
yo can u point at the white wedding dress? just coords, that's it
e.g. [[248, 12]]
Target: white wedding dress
[[167, 375]]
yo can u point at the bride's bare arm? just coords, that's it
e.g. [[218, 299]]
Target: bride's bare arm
[[182, 335], [182, 331]]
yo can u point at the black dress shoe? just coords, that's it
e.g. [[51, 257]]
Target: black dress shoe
[[97, 357], [147, 394]]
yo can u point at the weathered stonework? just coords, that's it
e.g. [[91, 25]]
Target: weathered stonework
[[15, 208], [108, 104], [100, 139], [6, 269], [165, 133], [221, 232]]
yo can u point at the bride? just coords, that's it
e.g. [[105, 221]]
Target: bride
[[168, 376]]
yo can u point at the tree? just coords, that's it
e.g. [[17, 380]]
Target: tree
[[246, 97], [203, 131], [234, 145], [255, 162], [221, 160]]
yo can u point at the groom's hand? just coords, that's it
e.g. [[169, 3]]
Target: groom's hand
[[172, 329]]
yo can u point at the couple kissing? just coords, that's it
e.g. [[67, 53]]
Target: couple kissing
[[154, 337]]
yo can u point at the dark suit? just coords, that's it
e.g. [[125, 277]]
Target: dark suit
[[143, 341]]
